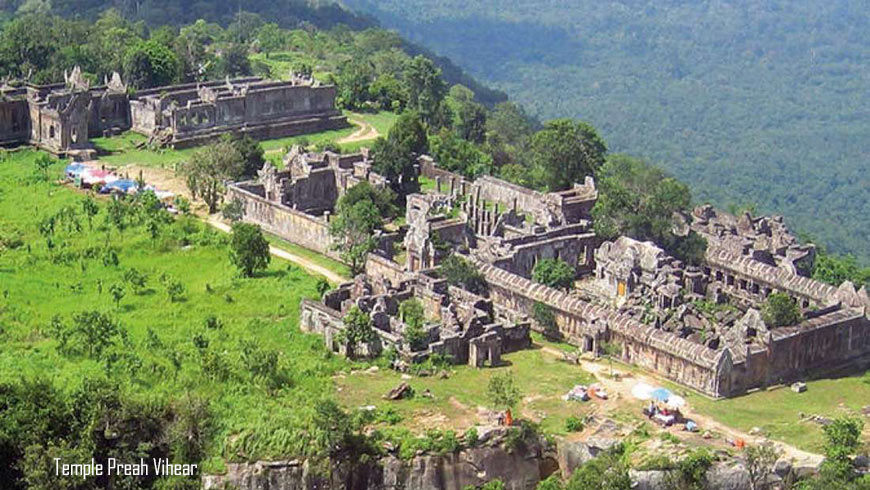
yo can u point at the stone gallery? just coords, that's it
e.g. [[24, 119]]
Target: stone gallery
[[61, 118], [700, 326]]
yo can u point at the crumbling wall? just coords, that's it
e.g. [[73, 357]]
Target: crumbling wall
[[305, 230]]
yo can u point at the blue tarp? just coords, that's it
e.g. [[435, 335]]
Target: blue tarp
[[75, 169], [122, 185], [660, 394]]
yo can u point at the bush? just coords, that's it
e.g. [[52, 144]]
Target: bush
[[780, 310], [249, 250], [574, 424]]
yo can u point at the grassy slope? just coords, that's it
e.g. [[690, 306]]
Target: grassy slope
[[263, 310]]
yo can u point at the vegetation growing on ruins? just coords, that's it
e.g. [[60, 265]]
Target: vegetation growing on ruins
[[746, 102], [462, 273], [641, 201], [358, 214], [555, 273], [780, 310]]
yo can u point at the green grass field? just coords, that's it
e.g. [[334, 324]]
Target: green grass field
[[38, 284], [777, 412], [122, 150], [541, 379], [319, 259]]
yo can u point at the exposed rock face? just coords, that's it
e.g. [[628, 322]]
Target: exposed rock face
[[521, 469]]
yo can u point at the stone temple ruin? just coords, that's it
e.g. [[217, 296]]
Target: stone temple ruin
[[461, 326], [700, 326], [61, 118], [296, 203]]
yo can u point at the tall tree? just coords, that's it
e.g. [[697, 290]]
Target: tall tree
[[396, 156], [641, 201], [359, 213], [151, 64], [210, 168], [566, 151], [426, 88], [249, 250]]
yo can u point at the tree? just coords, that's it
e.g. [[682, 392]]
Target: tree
[[150, 64], [610, 349], [565, 152], [234, 61], [555, 273], [233, 211], [780, 310], [388, 93], [359, 213], [461, 273], [210, 168], [760, 461], [249, 250], [353, 84], [358, 329], [252, 154], [271, 38], [469, 117], [414, 317], [836, 270], [426, 88], [639, 200], [396, 156], [91, 332], [118, 292], [458, 155], [502, 391]]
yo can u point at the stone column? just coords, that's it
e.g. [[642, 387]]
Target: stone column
[[438, 184]]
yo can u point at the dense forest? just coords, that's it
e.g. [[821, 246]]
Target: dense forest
[[751, 103], [241, 20]]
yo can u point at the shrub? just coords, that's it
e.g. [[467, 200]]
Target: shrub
[[574, 424]]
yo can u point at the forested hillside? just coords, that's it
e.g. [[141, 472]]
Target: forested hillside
[[242, 20], [759, 103]]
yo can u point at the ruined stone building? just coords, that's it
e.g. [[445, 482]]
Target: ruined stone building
[[461, 326], [187, 115], [296, 203], [506, 224], [61, 118], [700, 326]]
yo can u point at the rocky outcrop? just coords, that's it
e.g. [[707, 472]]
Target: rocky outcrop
[[519, 469]]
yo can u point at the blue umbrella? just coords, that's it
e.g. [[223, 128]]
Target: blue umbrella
[[660, 394]]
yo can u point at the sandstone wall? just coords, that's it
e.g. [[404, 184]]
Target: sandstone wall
[[299, 228]]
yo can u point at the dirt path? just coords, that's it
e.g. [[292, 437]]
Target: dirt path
[[365, 132], [623, 391], [167, 180], [283, 254]]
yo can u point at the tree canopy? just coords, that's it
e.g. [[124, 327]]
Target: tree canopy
[[780, 310], [555, 273], [249, 250]]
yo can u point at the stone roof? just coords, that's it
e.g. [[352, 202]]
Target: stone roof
[[623, 324], [767, 274]]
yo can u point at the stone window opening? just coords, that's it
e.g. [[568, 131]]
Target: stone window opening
[[51, 131]]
